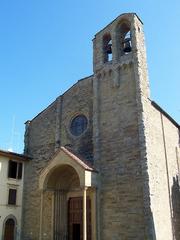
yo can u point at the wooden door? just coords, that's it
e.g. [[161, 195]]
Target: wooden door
[[9, 230], [75, 218]]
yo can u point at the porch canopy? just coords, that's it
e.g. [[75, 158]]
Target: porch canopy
[[65, 174]]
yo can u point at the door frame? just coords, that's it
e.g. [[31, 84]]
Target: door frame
[[89, 212], [15, 225]]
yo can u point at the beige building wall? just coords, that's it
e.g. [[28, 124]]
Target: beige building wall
[[5, 209]]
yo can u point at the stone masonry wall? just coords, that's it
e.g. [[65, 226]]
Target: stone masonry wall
[[41, 142], [116, 139], [78, 100], [121, 197]]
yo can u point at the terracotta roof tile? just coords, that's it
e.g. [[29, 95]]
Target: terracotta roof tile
[[86, 165]]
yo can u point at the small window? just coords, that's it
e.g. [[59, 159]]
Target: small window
[[78, 125], [15, 169], [12, 196]]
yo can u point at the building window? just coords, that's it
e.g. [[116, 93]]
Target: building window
[[12, 196], [15, 169], [78, 125]]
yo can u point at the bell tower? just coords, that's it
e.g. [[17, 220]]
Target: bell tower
[[120, 89], [122, 43]]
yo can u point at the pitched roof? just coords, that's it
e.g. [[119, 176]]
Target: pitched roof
[[14, 155], [75, 157], [154, 104]]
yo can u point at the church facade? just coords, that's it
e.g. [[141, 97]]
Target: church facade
[[105, 158]]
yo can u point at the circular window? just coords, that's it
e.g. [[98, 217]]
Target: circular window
[[78, 125]]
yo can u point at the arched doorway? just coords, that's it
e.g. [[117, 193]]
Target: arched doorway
[[68, 206], [9, 229], [68, 198]]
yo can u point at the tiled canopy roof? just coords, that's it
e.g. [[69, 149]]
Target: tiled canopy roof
[[75, 157]]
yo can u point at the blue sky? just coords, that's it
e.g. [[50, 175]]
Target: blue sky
[[45, 47]]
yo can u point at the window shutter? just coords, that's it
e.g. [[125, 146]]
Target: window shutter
[[12, 196], [20, 171]]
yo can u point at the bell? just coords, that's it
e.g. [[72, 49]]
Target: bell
[[127, 45], [109, 49]]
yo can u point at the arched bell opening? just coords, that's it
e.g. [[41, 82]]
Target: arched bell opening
[[107, 48], [124, 38], [127, 46]]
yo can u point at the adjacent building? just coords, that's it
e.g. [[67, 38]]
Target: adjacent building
[[11, 191], [105, 157]]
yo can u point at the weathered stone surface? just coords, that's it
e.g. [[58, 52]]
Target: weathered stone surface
[[41, 144]]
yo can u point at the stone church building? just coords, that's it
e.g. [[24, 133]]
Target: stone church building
[[105, 157]]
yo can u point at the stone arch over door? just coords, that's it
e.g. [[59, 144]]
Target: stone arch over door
[[63, 180], [67, 179], [9, 228]]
